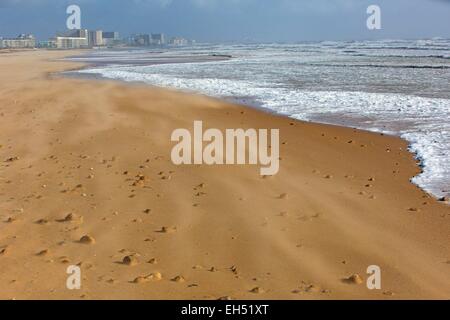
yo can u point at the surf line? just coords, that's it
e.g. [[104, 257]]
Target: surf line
[[214, 147]]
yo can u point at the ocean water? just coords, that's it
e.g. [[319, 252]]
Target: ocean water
[[396, 87]]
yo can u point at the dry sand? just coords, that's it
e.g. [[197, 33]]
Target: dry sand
[[86, 179]]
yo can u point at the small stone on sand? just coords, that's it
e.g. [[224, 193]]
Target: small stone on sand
[[130, 260], [354, 279], [168, 229], [43, 253], [87, 240], [178, 279], [257, 290]]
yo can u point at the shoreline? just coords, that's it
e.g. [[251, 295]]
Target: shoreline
[[243, 102], [209, 232]]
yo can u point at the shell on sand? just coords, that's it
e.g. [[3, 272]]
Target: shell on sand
[[87, 239]]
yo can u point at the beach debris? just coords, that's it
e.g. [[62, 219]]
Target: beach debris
[[283, 196], [87, 240], [153, 261]]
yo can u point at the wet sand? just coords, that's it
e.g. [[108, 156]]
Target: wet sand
[[86, 179]]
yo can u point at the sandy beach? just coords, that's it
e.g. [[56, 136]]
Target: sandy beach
[[86, 179]]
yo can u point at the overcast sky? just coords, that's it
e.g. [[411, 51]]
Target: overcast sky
[[233, 20]]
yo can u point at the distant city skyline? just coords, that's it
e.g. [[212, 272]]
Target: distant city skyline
[[233, 20]]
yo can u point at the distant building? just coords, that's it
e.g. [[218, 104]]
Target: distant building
[[158, 39], [77, 33], [50, 44], [95, 38], [110, 38], [70, 42], [111, 35], [140, 40], [177, 41], [22, 41]]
